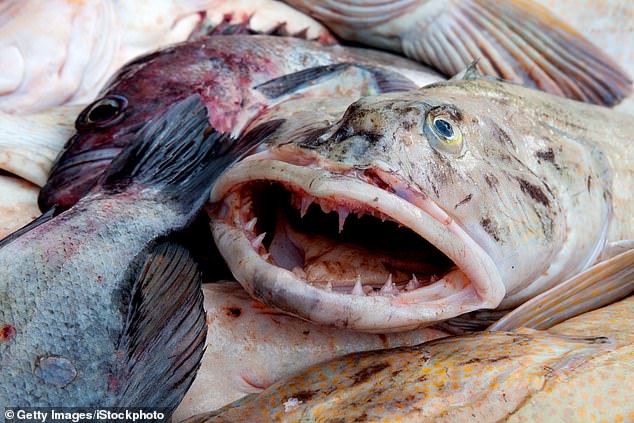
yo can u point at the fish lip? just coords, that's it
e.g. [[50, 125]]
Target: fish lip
[[280, 288]]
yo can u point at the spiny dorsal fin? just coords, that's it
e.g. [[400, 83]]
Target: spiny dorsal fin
[[469, 73]]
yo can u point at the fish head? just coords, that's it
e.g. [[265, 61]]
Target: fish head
[[451, 214], [103, 129], [140, 92]]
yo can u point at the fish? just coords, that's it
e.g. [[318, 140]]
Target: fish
[[416, 207], [606, 22], [60, 52], [262, 17], [250, 347], [517, 40], [238, 77], [63, 52], [136, 319], [575, 371]]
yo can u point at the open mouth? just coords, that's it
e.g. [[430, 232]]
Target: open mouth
[[356, 248]]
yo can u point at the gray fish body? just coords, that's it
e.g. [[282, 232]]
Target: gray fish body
[[73, 268], [93, 312]]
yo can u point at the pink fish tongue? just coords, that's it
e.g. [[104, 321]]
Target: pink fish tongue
[[319, 260]]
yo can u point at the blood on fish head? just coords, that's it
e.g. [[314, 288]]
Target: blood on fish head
[[138, 93]]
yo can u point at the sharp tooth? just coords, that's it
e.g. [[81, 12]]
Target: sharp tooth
[[343, 214], [258, 241], [306, 202], [358, 288], [325, 207], [250, 226], [433, 278], [329, 287], [412, 284], [388, 288]]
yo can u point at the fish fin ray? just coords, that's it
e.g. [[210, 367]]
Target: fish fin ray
[[600, 285], [164, 333], [474, 321], [520, 42], [43, 218], [613, 249], [387, 81]]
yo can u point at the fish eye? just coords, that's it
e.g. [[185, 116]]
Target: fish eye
[[102, 113], [443, 133], [443, 128]]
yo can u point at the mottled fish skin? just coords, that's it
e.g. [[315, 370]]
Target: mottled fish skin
[[530, 192], [250, 347], [518, 40], [61, 352], [522, 375], [225, 70]]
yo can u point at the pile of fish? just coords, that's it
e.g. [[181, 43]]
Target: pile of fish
[[438, 231]]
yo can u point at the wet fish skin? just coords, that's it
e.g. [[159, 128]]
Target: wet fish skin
[[250, 347], [224, 70], [62, 52], [518, 40], [536, 191], [103, 346], [515, 376]]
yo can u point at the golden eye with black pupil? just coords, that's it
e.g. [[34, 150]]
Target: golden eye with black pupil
[[443, 133], [102, 113]]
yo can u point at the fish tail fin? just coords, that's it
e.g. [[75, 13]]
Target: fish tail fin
[[600, 285], [164, 333], [178, 154], [519, 41]]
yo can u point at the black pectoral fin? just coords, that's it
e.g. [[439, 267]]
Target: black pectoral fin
[[385, 80], [43, 218], [164, 334]]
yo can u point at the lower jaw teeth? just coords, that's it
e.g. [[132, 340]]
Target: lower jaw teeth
[[358, 287], [388, 289]]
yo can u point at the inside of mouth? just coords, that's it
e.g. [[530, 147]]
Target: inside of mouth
[[333, 244]]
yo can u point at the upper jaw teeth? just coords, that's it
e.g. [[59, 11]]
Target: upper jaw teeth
[[304, 202]]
